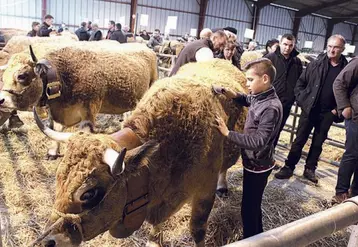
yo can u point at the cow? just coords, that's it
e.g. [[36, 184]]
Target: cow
[[168, 153], [77, 81]]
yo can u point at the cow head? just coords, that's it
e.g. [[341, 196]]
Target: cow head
[[92, 186], [22, 84]]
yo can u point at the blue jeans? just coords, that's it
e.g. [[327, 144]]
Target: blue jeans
[[349, 162]]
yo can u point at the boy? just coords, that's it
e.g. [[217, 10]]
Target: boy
[[257, 142]]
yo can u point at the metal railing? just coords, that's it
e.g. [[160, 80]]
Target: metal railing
[[307, 230], [172, 58]]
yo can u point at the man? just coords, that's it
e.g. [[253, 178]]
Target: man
[[96, 34], [252, 46], [200, 50], [289, 69], [314, 94], [155, 40], [46, 28], [118, 34], [205, 33], [35, 28], [89, 27], [345, 89], [82, 32], [111, 29]]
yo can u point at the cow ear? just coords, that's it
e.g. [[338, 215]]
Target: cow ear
[[142, 155]]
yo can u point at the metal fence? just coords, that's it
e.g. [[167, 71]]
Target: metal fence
[[309, 229]]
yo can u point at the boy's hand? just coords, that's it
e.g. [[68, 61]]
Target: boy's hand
[[347, 113], [221, 126], [229, 93]]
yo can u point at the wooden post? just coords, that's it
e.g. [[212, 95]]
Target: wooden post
[[43, 9], [353, 240], [133, 17], [202, 13]]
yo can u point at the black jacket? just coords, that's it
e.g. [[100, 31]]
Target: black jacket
[[44, 30], [119, 36], [96, 35], [82, 34], [345, 89], [32, 33], [287, 74], [309, 84], [261, 128]]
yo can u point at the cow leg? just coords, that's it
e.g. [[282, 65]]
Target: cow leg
[[221, 188], [155, 236], [54, 150], [201, 208]]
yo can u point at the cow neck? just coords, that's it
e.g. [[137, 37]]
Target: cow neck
[[135, 210], [51, 82]]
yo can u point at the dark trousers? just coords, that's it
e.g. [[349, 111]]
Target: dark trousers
[[285, 114], [321, 122], [253, 188], [349, 162]]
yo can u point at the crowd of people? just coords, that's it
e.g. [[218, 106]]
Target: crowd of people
[[326, 91]]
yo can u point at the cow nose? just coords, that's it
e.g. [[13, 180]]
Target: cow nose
[[2, 101], [50, 243]]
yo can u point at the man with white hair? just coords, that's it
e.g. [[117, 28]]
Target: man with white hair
[[252, 46], [205, 33], [96, 34]]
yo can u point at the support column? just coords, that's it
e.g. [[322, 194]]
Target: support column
[[329, 31], [202, 14], [133, 16], [43, 9], [296, 25], [354, 35]]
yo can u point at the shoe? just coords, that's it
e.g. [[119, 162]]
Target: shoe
[[310, 175], [15, 121], [339, 198], [284, 173]]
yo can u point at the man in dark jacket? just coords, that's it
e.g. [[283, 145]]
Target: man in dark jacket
[[314, 94], [155, 40], [200, 50], [46, 28], [288, 70], [118, 34], [82, 32], [345, 89], [111, 29], [35, 28], [96, 34], [257, 142]]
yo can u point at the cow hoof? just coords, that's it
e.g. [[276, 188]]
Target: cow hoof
[[222, 192], [53, 156]]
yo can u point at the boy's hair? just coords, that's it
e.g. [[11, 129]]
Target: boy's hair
[[48, 17], [289, 37], [157, 30], [262, 66], [112, 23], [119, 26], [35, 23]]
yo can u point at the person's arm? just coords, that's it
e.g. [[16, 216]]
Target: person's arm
[[344, 82], [258, 139], [301, 84], [204, 54], [242, 100]]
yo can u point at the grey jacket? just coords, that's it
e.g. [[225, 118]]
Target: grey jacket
[[345, 89], [261, 128]]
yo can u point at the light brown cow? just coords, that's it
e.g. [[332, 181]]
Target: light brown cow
[[77, 81], [175, 156]]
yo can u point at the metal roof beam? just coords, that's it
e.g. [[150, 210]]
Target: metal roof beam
[[309, 10], [343, 18], [263, 3]]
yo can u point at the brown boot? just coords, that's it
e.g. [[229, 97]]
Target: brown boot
[[339, 198]]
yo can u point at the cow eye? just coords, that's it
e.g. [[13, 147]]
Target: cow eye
[[92, 197], [24, 79]]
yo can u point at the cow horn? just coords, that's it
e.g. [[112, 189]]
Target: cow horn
[[54, 135], [115, 160], [34, 59], [4, 67]]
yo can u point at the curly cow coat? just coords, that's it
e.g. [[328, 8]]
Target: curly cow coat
[[178, 113]]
